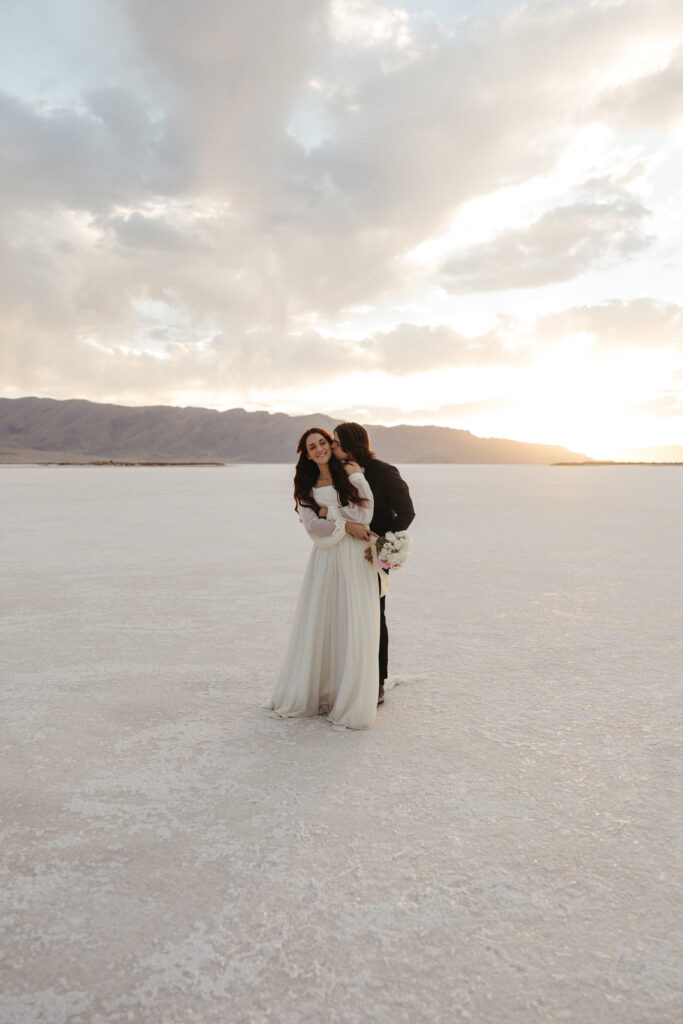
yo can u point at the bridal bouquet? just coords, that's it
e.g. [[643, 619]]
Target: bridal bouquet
[[392, 549]]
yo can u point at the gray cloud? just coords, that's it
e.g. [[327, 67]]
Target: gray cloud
[[229, 73], [412, 349], [84, 159], [140, 232], [561, 244]]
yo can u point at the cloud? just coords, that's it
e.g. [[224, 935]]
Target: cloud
[[364, 24], [165, 231], [652, 100], [229, 74], [618, 325], [410, 348], [138, 231], [105, 152], [457, 413], [664, 405], [560, 245], [122, 361]]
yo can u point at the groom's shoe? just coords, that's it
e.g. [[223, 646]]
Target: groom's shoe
[[380, 699]]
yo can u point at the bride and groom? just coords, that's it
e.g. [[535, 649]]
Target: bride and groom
[[338, 649]]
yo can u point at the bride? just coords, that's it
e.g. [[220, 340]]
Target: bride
[[331, 662]]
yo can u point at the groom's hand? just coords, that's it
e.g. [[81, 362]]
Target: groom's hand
[[357, 530], [368, 551]]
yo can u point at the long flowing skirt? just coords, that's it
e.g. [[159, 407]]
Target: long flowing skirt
[[330, 666]]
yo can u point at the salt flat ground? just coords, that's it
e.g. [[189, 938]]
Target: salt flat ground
[[499, 848]]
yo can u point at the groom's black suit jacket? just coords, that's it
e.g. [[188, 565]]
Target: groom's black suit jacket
[[393, 506]]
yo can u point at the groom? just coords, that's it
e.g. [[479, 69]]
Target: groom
[[393, 507]]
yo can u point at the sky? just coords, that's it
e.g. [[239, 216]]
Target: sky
[[460, 212]]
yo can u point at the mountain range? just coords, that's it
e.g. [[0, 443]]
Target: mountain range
[[44, 430]]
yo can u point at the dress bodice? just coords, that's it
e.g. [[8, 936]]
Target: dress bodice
[[326, 496]]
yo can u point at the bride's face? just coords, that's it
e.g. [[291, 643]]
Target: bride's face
[[318, 449]]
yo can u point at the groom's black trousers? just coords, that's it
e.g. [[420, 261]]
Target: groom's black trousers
[[383, 643]]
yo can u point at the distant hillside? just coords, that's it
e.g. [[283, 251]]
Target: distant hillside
[[45, 430]]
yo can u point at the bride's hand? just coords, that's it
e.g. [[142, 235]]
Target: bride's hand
[[322, 513], [357, 530], [351, 467]]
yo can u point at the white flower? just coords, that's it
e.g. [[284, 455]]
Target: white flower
[[393, 548]]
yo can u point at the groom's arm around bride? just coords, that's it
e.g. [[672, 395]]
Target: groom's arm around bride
[[393, 508]]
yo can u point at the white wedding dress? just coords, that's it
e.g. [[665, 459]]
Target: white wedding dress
[[331, 662]]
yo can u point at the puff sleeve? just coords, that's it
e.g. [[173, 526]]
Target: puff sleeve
[[324, 533], [357, 513]]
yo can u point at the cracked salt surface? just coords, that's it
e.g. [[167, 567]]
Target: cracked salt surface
[[500, 847]]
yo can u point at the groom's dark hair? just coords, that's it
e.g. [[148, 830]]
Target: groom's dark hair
[[355, 440]]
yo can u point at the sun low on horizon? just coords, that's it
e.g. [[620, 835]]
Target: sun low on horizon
[[460, 213]]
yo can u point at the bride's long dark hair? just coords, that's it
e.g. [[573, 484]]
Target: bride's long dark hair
[[306, 476]]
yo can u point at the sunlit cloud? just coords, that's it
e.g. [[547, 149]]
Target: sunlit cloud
[[365, 24]]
